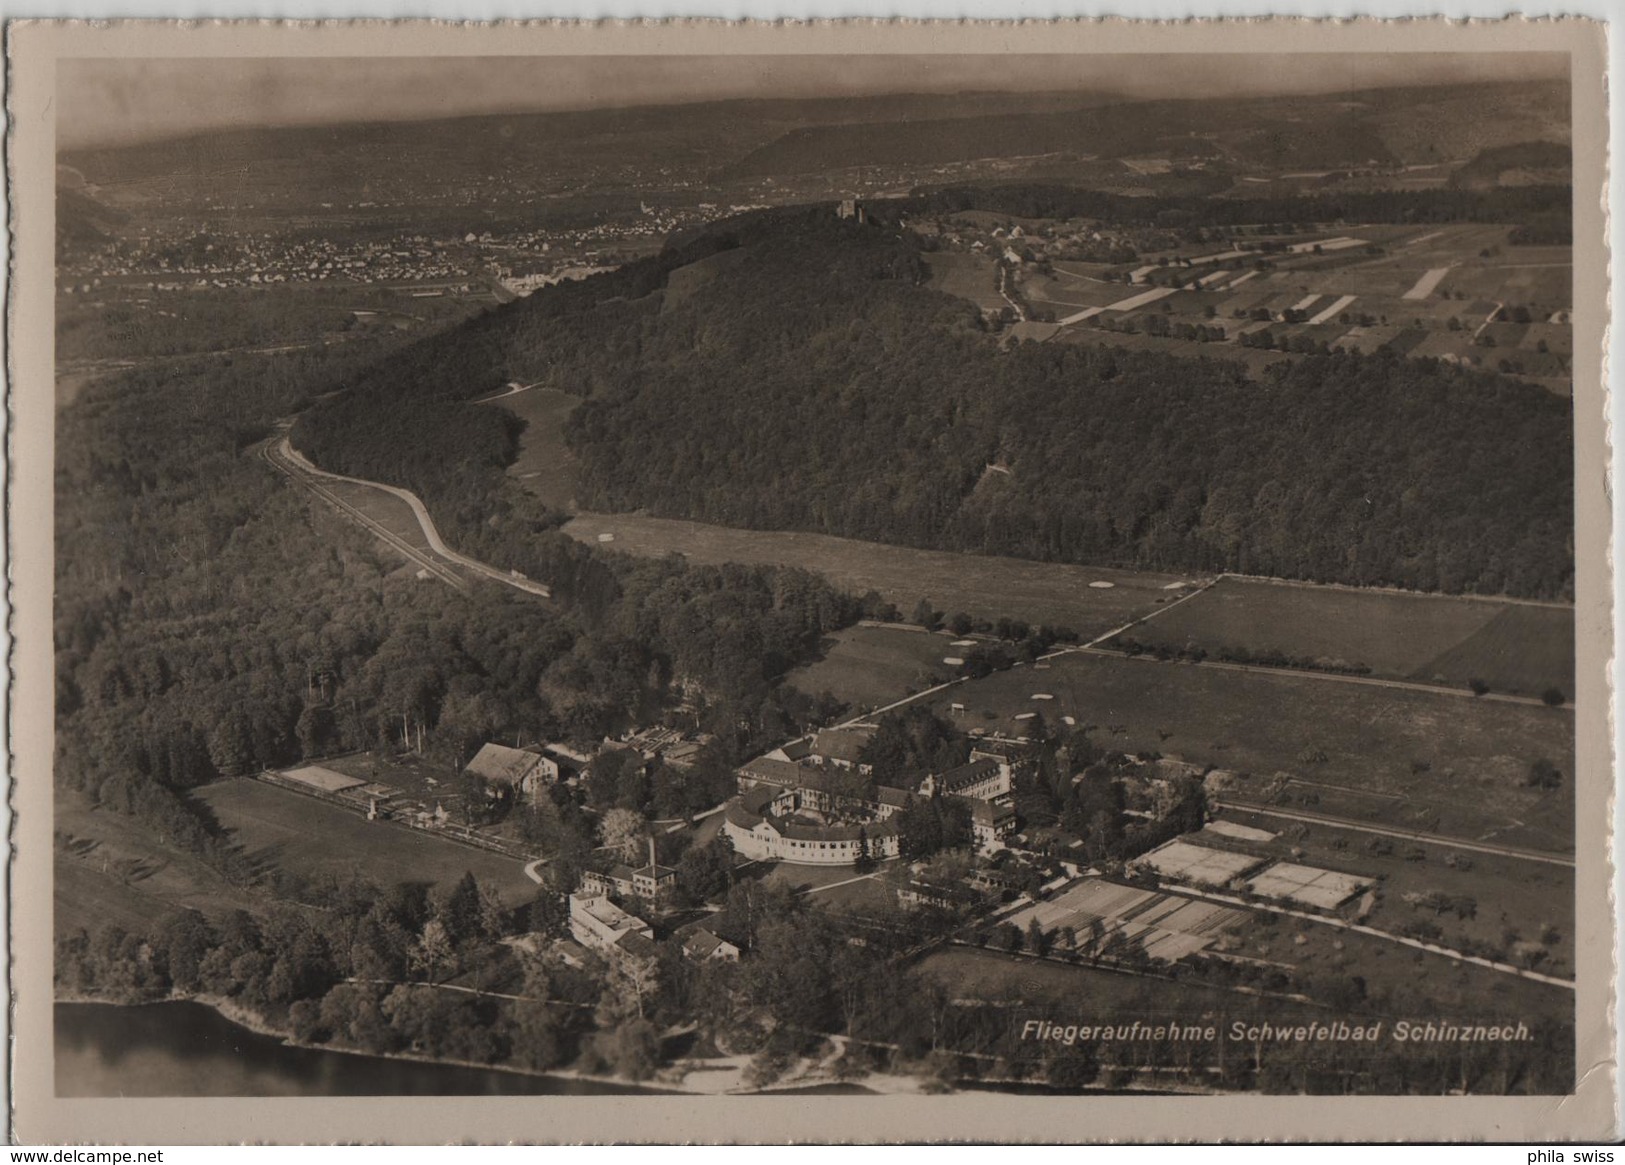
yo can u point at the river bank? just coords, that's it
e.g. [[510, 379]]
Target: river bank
[[187, 1040]]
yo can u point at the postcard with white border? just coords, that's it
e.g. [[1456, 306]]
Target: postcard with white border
[[836, 582]]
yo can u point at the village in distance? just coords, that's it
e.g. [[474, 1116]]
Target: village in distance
[[1017, 591]]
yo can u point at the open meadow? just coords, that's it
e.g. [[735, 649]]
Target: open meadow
[[871, 665], [982, 586], [835, 888], [545, 465], [1517, 648], [967, 276], [386, 509], [1468, 759], [307, 836], [109, 869]]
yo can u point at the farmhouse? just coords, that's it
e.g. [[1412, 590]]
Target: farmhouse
[[521, 770], [702, 946]]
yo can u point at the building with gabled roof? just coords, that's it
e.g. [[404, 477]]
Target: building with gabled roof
[[991, 822], [702, 946], [520, 769], [984, 778], [841, 747]]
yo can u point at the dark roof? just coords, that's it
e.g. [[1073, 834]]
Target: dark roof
[[968, 774], [834, 832], [737, 812], [701, 943], [498, 762], [896, 798], [785, 775], [841, 743], [986, 812], [656, 872], [774, 772], [638, 946]]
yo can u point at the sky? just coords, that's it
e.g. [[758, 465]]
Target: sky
[[125, 101]]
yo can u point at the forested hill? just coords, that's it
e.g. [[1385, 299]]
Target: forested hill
[[816, 382]]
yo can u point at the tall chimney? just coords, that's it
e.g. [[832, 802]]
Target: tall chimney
[[651, 855]]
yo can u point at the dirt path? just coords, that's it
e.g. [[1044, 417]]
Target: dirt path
[[1505, 851], [1328, 676]]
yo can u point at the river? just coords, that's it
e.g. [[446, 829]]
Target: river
[[187, 1049]]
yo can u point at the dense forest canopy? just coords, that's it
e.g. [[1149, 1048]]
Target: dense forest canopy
[[211, 620], [819, 383]]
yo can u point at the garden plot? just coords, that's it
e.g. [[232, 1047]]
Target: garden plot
[[1198, 864], [1331, 312], [1426, 285], [1123, 305], [1307, 885]]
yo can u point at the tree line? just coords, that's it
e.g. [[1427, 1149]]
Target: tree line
[[817, 385]]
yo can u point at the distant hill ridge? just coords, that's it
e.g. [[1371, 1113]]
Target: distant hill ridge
[[817, 382], [743, 138]]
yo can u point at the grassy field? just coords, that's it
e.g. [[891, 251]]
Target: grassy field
[[1480, 272], [1326, 954], [110, 869], [1513, 647], [1526, 897], [545, 465], [1523, 649], [299, 833], [979, 585], [1477, 754], [868, 666], [967, 275], [1087, 993], [844, 893], [386, 509], [82, 896]]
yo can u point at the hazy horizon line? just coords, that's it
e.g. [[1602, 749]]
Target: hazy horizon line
[[112, 103]]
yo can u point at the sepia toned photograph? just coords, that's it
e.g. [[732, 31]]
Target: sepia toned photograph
[[996, 575]]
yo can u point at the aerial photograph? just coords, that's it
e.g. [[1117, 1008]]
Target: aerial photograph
[[823, 575]]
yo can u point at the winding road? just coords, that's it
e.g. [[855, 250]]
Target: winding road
[[281, 453]]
